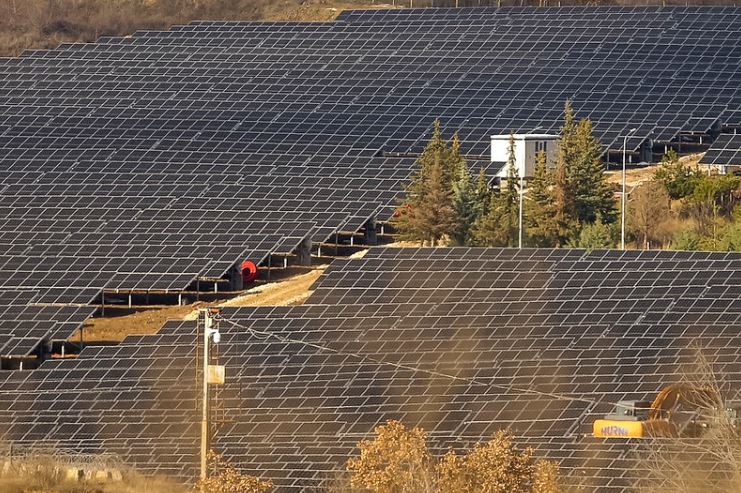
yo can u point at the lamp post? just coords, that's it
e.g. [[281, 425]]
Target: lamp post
[[522, 195], [622, 197]]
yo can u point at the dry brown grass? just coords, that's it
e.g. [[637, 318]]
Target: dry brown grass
[[47, 472], [26, 24], [320, 11], [292, 290], [638, 176]]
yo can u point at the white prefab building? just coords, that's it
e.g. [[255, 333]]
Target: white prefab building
[[526, 147]]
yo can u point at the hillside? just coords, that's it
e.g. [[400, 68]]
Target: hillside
[[28, 24]]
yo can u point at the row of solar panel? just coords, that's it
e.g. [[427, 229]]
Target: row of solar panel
[[700, 125], [463, 369]]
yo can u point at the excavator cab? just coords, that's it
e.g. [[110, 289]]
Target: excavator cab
[[625, 421]]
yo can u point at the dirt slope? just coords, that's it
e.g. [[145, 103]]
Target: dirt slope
[[292, 291], [43, 24], [636, 176]]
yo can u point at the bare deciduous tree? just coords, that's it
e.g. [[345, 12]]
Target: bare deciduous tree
[[650, 218], [710, 463]]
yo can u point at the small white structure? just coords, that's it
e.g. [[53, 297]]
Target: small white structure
[[526, 147]]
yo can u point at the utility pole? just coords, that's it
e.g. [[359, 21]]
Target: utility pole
[[210, 317], [622, 197]]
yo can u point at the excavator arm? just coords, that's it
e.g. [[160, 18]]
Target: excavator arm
[[676, 396]]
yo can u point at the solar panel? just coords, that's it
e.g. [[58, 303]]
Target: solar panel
[[151, 161], [461, 341], [725, 151]]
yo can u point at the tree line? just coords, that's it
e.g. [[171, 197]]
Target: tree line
[[685, 208], [568, 203]]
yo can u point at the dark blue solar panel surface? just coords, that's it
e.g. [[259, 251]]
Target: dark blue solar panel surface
[[459, 341], [150, 161]]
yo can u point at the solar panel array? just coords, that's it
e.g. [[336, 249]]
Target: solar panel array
[[23, 322], [725, 150], [459, 341], [151, 161], [71, 229], [374, 80]]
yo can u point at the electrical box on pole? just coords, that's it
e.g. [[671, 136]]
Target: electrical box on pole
[[216, 374]]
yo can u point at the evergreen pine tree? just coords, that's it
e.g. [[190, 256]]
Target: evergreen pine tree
[[679, 179], [591, 194], [435, 152], [595, 235], [540, 211], [498, 227], [513, 176], [562, 197], [456, 162], [482, 193], [428, 212], [491, 228], [434, 212], [567, 139], [466, 208]]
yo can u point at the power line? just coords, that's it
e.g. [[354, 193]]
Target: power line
[[263, 335]]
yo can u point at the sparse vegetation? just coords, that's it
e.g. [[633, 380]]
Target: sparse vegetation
[[650, 218], [708, 464], [225, 478], [398, 460], [46, 23], [52, 472], [687, 209]]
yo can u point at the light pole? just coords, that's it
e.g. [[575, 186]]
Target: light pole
[[622, 197], [210, 317], [522, 195]]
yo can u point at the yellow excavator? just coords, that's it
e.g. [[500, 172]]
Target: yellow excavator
[[678, 410]]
